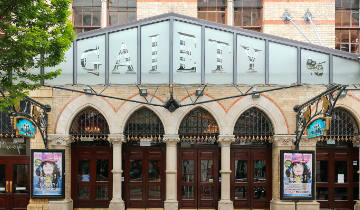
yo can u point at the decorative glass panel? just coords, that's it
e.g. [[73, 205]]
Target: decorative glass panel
[[282, 64], [241, 193], [154, 171], [14, 146], [240, 170], [207, 171], [91, 61], [154, 193], [136, 171], [155, 53], [135, 193], [314, 67], [250, 60], [346, 71], [218, 57], [102, 170], [322, 171], [188, 170], [2, 179], [84, 192], [340, 171], [343, 125], [207, 193], [259, 170], [341, 193], [20, 181], [123, 57], [322, 193], [187, 53], [66, 76], [187, 192], [84, 171], [102, 192]]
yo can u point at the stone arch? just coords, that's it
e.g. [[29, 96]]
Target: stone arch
[[266, 105], [350, 104], [65, 118]]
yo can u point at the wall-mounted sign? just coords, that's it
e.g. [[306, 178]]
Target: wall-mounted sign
[[47, 173], [25, 127], [296, 174], [318, 127]]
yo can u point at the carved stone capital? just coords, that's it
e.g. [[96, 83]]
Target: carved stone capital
[[59, 140], [284, 140], [104, 1], [306, 142], [226, 140], [171, 139], [116, 138]]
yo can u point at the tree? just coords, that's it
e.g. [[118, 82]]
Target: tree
[[35, 34]]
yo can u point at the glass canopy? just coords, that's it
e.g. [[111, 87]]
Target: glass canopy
[[176, 49]]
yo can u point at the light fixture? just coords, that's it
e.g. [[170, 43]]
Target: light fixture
[[199, 92], [343, 94], [143, 92], [255, 94], [87, 90]]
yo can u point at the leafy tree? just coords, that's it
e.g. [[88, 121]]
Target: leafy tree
[[33, 34]]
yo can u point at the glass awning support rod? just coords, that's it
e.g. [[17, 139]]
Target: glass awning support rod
[[287, 18], [308, 18]]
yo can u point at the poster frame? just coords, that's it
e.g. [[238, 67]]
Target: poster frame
[[62, 195], [313, 175]]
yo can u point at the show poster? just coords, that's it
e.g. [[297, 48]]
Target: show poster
[[297, 174], [47, 173]]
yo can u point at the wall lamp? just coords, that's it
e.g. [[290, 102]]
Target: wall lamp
[[255, 94], [143, 92], [199, 92], [343, 94], [88, 90]]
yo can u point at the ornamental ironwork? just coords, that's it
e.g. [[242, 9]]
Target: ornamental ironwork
[[343, 126], [253, 125], [198, 126], [89, 124], [144, 125]]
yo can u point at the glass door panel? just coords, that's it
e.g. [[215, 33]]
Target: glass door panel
[[2, 178], [20, 181]]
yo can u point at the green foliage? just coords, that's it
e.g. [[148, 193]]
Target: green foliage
[[31, 28]]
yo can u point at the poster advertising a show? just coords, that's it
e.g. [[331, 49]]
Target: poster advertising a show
[[47, 174], [297, 175]]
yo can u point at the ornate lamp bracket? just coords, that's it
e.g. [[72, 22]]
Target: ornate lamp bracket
[[321, 105]]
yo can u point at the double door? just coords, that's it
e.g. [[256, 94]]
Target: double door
[[91, 179], [251, 177], [14, 182], [337, 180], [144, 176], [198, 175]]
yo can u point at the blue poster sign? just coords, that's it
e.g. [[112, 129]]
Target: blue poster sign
[[25, 127], [316, 128]]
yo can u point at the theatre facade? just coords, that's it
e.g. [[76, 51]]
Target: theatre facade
[[174, 112]]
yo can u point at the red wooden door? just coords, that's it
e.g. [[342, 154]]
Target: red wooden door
[[14, 182], [251, 177], [144, 176], [198, 176], [91, 180]]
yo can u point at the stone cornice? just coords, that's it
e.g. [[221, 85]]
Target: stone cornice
[[59, 140]]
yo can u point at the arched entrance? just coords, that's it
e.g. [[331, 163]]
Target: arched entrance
[[251, 161], [91, 160], [337, 163], [198, 162], [144, 160]]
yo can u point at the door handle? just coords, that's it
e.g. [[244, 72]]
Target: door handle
[[11, 186], [7, 186]]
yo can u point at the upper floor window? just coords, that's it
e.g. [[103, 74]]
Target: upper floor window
[[247, 14], [121, 11], [212, 10], [347, 25]]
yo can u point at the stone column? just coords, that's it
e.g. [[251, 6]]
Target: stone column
[[357, 204], [103, 13], [171, 202], [59, 141], [225, 202], [117, 202], [280, 142], [230, 12]]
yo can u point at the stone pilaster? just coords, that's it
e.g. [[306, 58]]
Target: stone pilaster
[[230, 12], [280, 142], [171, 202], [225, 202], [117, 202], [357, 204], [59, 141], [104, 13]]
